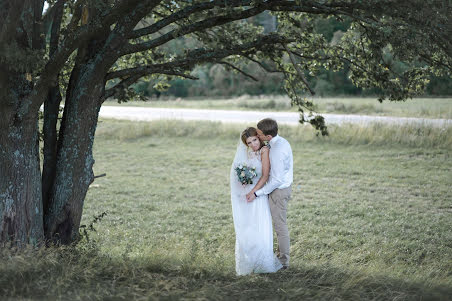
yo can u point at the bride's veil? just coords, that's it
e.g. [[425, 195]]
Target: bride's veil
[[238, 191], [241, 154]]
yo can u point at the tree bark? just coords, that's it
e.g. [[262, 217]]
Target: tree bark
[[73, 173], [51, 111], [21, 212]]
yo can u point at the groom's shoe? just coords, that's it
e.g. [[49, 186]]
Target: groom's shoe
[[285, 267]]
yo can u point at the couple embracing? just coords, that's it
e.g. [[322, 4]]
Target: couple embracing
[[261, 180]]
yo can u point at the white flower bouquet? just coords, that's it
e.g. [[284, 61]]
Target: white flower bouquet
[[245, 173]]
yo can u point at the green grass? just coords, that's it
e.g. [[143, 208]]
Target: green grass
[[370, 219], [417, 107]]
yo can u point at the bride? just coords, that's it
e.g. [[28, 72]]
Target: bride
[[252, 220]]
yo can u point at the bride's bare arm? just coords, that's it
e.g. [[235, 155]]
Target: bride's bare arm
[[265, 169]]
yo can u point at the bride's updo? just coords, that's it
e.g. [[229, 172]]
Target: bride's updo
[[249, 132]]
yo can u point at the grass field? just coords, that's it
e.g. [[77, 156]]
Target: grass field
[[370, 219], [418, 107]]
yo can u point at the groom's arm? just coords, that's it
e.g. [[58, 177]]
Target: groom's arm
[[276, 174]]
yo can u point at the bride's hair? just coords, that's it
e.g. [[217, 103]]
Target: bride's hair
[[249, 132]]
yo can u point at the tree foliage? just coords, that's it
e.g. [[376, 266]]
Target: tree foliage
[[85, 51], [218, 80]]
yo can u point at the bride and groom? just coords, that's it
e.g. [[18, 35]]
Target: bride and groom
[[262, 199]]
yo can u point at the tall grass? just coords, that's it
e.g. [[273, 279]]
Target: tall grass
[[273, 103], [337, 106], [412, 135], [417, 107]]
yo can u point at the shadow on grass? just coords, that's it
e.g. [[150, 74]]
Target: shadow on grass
[[62, 274]]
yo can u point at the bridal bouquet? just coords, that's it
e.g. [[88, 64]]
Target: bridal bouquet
[[245, 173]]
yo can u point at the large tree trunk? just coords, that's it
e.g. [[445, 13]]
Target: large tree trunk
[[73, 173], [51, 111], [30, 206], [21, 212], [74, 157]]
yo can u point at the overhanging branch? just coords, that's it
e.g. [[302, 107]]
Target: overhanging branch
[[119, 88], [201, 55], [297, 68], [263, 66], [312, 7], [239, 70], [197, 26], [184, 13]]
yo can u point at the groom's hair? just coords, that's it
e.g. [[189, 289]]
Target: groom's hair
[[268, 126]]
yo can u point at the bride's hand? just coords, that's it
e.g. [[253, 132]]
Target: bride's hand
[[250, 196]]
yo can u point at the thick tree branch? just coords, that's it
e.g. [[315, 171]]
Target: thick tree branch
[[306, 6], [184, 13], [197, 26], [126, 24], [202, 55], [309, 7], [57, 15], [180, 74], [72, 42]]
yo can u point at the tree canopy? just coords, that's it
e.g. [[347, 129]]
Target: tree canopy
[[219, 80], [85, 51]]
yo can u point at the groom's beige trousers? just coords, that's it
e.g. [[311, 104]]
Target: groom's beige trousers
[[278, 200]]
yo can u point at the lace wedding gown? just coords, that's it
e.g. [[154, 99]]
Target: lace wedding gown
[[252, 224]]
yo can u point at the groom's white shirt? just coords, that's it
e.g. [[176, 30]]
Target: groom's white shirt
[[281, 166]]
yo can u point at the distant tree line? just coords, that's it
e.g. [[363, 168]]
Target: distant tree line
[[217, 80]]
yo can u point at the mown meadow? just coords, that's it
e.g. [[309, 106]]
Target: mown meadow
[[370, 219]]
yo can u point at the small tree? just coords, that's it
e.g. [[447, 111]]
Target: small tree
[[78, 48]]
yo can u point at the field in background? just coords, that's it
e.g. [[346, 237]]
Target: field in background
[[370, 219], [418, 107]]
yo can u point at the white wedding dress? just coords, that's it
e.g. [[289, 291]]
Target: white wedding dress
[[252, 221]]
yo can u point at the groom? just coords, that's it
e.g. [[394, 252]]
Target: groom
[[279, 185]]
